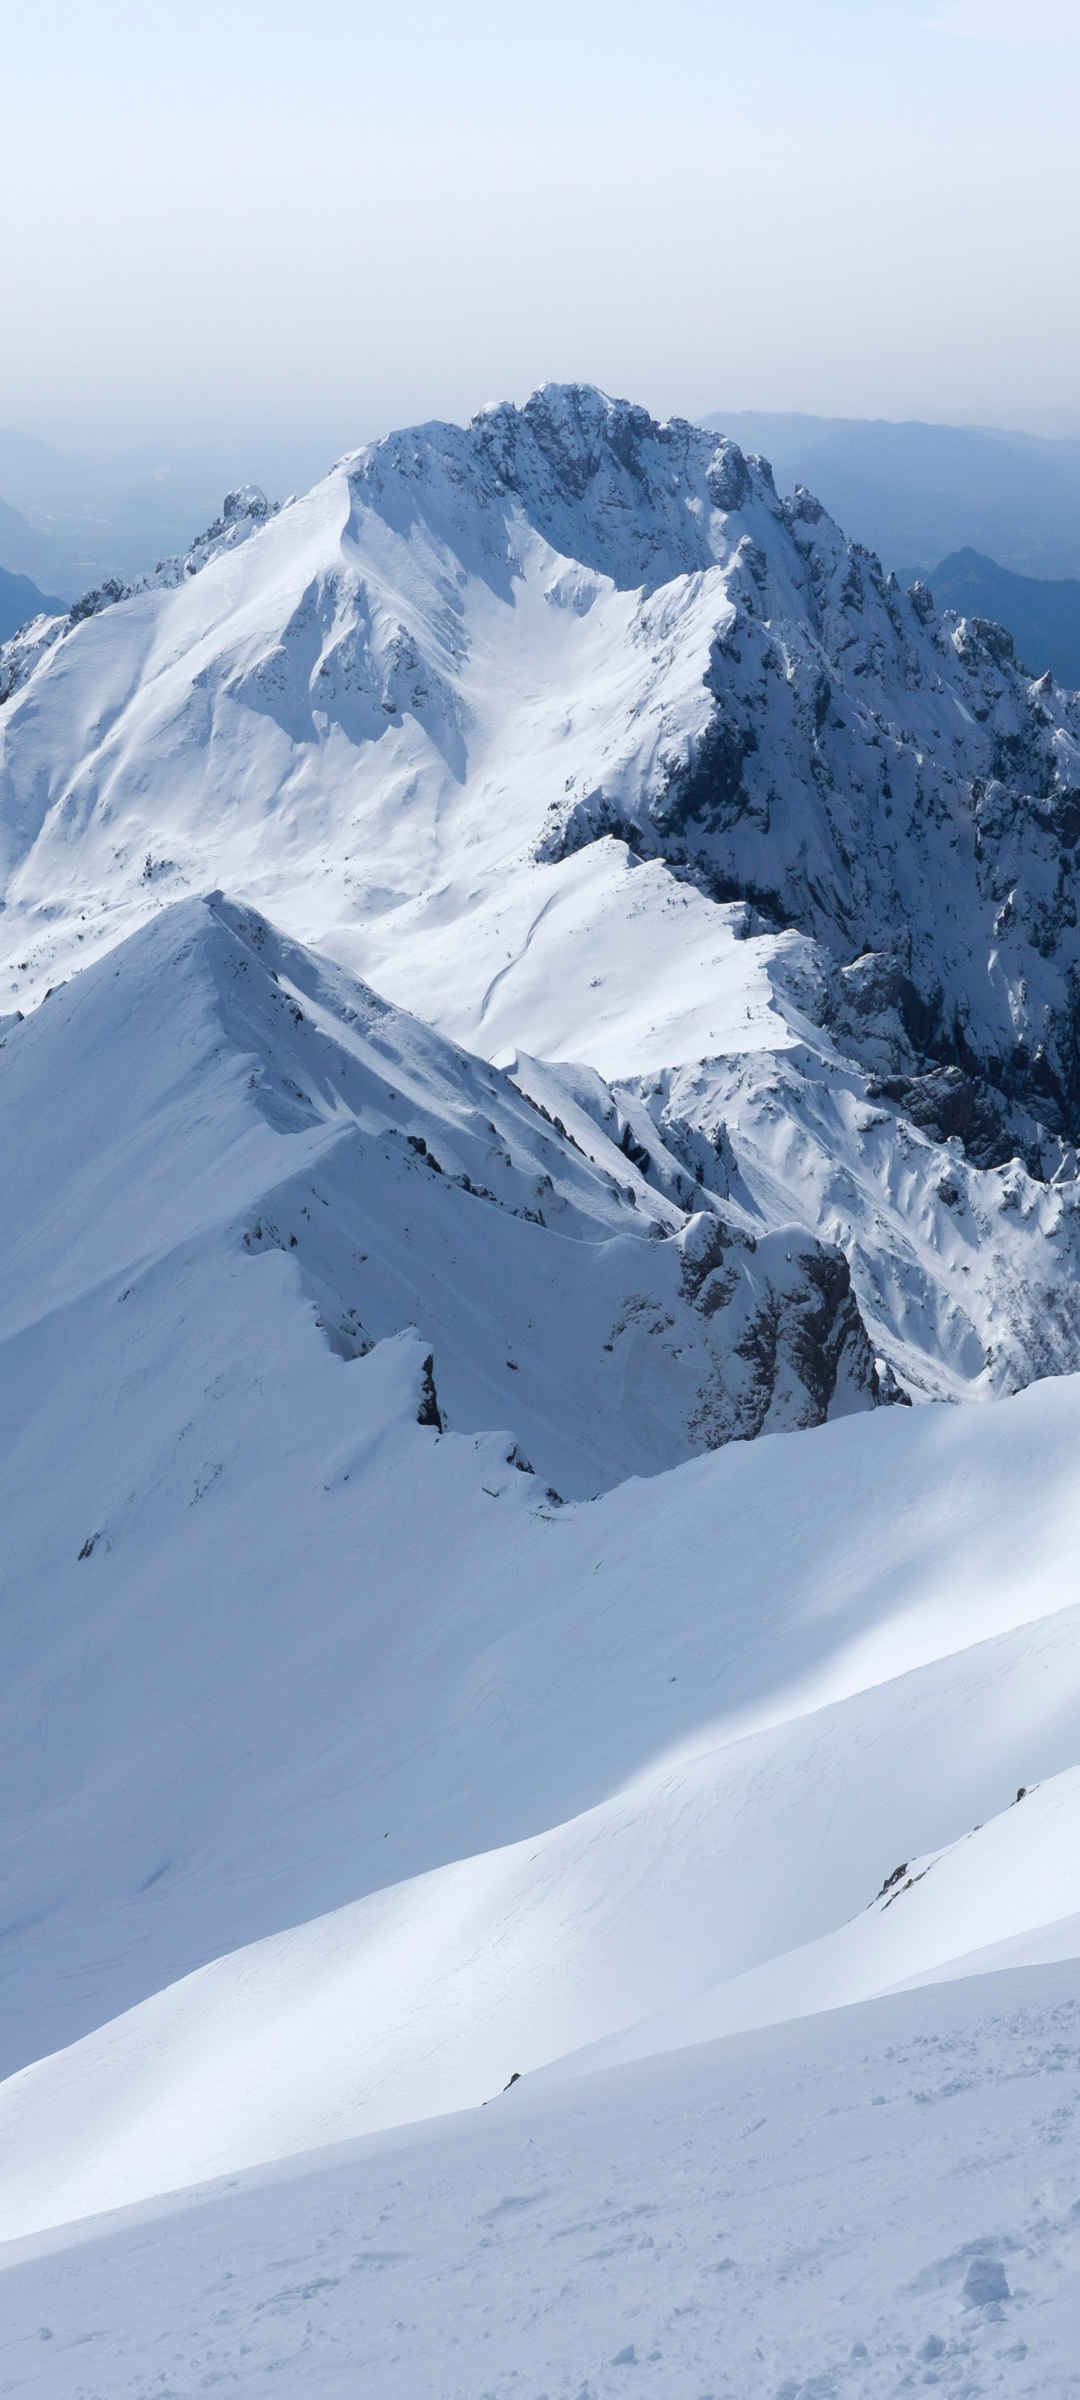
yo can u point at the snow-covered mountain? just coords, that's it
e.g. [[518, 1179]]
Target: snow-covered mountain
[[430, 716], [524, 971], [567, 620]]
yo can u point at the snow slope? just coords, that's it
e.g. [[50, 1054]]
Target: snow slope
[[1003, 1896], [302, 1645], [427, 1996], [878, 2200]]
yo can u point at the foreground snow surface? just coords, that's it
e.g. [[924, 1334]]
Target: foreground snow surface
[[881, 2200]]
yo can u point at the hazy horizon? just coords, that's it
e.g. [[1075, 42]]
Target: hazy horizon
[[215, 227], [150, 442]]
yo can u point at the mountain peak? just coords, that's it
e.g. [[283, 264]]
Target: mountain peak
[[636, 498], [528, 721]]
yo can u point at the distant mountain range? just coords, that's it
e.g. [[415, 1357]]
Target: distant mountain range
[[916, 493], [20, 600], [919, 492], [70, 522], [1042, 617]]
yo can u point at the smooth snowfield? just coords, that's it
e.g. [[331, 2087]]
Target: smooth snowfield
[[419, 1999], [1003, 1896], [882, 2199]]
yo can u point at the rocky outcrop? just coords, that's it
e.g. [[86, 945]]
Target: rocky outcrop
[[796, 1352]]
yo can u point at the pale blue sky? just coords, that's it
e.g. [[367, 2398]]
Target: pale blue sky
[[341, 217]]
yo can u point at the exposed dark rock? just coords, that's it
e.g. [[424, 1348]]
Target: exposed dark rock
[[947, 1102], [429, 1412]]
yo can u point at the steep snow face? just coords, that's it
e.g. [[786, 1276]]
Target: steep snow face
[[567, 619], [406, 665]]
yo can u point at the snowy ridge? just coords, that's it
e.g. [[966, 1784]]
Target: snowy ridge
[[242, 511], [543, 1729], [635, 1331], [252, 1181]]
